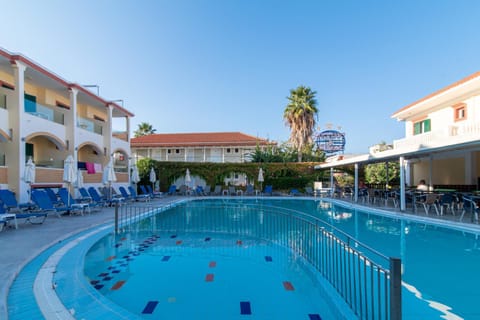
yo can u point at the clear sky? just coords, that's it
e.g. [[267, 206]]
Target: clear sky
[[228, 65]]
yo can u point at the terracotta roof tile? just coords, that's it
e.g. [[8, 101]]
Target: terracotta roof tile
[[205, 139]]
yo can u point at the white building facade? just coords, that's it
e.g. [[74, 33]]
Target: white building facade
[[46, 118]]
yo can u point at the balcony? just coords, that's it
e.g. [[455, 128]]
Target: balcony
[[45, 112], [453, 134], [89, 125]]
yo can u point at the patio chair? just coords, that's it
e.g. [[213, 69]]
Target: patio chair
[[111, 196], [218, 190], [207, 190], [144, 191], [249, 190], [309, 191], [469, 205], [447, 201], [138, 197], [72, 205], [428, 201], [232, 191]]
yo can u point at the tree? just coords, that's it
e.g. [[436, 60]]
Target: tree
[[300, 115], [144, 129]]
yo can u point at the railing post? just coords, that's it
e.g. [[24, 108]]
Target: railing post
[[395, 289], [116, 217]]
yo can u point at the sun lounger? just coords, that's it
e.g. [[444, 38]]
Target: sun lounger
[[172, 190], [138, 197], [295, 192], [154, 194], [8, 199], [268, 191], [72, 204], [43, 201]]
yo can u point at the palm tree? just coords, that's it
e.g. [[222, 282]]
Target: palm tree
[[300, 114], [144, 129]]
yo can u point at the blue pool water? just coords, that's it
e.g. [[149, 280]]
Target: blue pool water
[[157, 274]]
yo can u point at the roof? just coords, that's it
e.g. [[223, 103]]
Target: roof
[[437, 94], [13, 57], [205, 139]]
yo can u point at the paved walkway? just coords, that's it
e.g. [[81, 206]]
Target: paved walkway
[[18, 247]]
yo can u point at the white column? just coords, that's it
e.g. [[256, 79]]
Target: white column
[[15, 157], [402, 184], [71, 124], [356, 182], [332, 186], [204, 154], [186, 151], [430, 172], [468, 168], [408, 169], [108, 135]]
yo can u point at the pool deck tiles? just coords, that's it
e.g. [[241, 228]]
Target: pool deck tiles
[[245, 308], [150, 307], [209, 277], [118, 285], [288, 286]]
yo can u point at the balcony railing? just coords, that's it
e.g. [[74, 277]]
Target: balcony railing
[[452, 134], [89, 125], [3, 101], [369, 282], [48, 113]]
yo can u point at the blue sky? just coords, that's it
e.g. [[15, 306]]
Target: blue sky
[[228, 65]]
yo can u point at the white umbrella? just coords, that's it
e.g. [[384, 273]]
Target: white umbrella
[[134, 177], [188, 179], [79, 179], [260, 177], [29, 174], [153, 176], [69, 174], [109, 176]]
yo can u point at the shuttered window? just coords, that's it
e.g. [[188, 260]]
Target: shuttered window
[[422, 126]]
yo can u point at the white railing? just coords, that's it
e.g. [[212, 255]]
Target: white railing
[[453, 134]]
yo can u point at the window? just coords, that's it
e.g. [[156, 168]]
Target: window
[[169, 150], [62, 105], [459, 112], [177, 150], [236, 150], [422, 126], [7, 85], [98, 118], [228, 150]]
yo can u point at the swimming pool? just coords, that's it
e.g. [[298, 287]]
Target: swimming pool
[[439, 263]]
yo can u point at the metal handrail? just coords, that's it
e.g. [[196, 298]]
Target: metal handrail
[[371, 289]]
